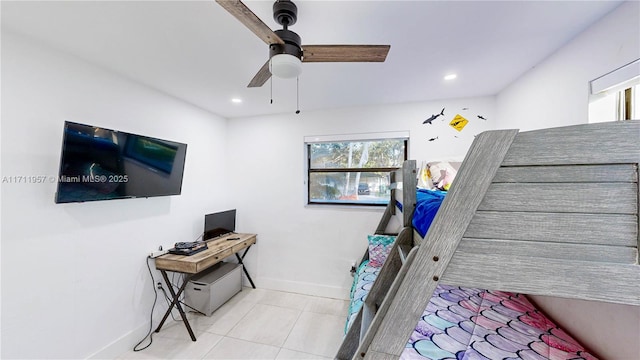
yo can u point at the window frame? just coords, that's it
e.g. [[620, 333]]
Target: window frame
[[355, 138]]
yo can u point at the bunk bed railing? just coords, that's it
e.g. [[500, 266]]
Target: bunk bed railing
[[394, 268], [390, 212], [547, 212]]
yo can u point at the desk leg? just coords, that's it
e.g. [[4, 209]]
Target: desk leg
[[176, 303], [244, 267]]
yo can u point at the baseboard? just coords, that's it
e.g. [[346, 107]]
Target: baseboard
[[121, 345], [304, 288]]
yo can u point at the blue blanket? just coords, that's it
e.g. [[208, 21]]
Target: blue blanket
[[427, 205]]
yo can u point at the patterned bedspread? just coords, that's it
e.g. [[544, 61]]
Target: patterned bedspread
[[362, 282], [467, 323], [464, 323]]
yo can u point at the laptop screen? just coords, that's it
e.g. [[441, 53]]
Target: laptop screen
[[220, 223]]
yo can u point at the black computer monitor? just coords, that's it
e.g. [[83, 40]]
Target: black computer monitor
[[219, 224]]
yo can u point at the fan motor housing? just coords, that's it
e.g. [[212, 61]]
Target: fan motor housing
[[291, 45], [285, 12]]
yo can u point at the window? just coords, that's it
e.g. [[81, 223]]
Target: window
[[348, 172], [620, 104], [616, 95]]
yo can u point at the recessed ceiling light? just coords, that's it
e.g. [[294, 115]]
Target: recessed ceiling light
[[236, 100], [450, 76]]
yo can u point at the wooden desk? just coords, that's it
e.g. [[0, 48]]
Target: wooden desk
[[218, 250]]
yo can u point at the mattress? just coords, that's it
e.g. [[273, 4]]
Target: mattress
[[469, 323]]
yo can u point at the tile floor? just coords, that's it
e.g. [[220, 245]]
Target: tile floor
[[255, 324]]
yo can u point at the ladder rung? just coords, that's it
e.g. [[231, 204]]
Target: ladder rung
[[403, 250], [368, 312]]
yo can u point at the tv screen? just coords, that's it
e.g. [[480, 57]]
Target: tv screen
[[103, 164], [220, 223]]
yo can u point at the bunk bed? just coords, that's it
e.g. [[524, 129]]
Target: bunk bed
[[546, 212]]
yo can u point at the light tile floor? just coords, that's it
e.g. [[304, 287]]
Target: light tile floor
[[255, 324]]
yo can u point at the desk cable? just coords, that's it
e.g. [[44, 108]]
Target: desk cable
[[155, 299]]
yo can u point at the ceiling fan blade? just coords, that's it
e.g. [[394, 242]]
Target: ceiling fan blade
[[345, 53], [261, 77], [241, 12]]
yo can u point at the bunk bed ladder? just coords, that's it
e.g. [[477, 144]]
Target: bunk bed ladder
[[396, 265], [407, 176], [388, 214], [387, 282], [389, 211]]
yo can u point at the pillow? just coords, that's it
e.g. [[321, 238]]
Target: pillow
[[441, 174], [424, 177], [379, 248]]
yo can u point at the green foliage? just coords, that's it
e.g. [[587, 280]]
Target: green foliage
[[324, 191], [379, 153]]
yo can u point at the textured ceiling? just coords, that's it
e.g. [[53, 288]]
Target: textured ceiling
[[195, 51]]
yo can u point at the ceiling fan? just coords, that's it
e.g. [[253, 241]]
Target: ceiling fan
[[286, 54]]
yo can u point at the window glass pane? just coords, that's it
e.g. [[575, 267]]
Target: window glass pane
[[358, 154], [349, 187]]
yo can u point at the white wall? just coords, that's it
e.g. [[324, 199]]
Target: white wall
[[74, 278], [309, 249], [556, 93]]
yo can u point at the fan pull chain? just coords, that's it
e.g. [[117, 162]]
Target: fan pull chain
[[271, 85], [297, 95]]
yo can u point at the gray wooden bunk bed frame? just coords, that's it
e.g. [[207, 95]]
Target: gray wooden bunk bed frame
[[546, 212]]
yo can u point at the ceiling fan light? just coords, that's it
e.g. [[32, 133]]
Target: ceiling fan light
[[285, 66]]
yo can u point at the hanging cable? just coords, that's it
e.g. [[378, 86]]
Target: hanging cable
[[297, 95]]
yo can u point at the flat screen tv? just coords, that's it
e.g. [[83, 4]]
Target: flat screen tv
[[103, 164], [220, 223]]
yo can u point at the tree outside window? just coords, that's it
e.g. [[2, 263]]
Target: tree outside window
[[353, 172]]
